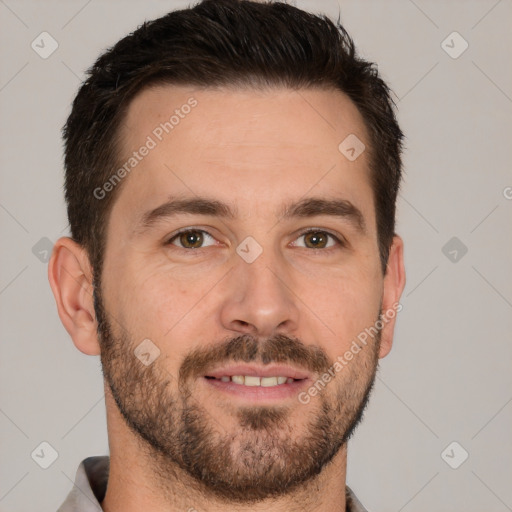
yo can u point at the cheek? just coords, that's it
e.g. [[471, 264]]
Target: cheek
[[345, 301], [161, 299], [343, 310]]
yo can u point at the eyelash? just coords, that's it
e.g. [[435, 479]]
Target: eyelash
[[340, 243]]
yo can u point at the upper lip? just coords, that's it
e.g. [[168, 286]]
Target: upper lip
[[271, 370]]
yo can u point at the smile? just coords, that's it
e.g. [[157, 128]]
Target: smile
[[252, 380]]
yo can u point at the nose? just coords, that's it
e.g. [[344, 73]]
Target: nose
[[259, 299]]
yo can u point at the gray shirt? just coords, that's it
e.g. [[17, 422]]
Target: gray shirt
[[91, 485]]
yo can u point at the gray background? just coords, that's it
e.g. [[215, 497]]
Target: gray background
[[448, 377]]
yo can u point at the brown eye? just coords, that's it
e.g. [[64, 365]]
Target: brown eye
[[191, 239], [316, 239]]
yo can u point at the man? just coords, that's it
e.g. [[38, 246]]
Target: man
[[231, 177]]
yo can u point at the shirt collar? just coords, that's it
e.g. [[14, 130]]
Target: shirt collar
[[91, 484]]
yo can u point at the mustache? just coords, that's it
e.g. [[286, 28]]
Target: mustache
[[247, 348]]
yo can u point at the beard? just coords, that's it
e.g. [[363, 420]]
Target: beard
[[264, 455]]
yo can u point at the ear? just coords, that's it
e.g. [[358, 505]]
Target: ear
[[70, 276], [394, 283]]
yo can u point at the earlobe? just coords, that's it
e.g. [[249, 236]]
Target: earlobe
[[394, 283], [70, 276]]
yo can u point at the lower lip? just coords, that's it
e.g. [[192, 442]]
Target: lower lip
[[259, 393]]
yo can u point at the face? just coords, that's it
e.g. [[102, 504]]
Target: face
[[242, 249]]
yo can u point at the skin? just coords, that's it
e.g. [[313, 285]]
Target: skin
[[253, 150]]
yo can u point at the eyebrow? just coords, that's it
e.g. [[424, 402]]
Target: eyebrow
[[305, 208], [341, 208]]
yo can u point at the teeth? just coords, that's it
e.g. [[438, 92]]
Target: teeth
[[268, 381], [251, 380]]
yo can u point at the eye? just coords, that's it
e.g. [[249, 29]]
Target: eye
[[192, 239], [318, 239]]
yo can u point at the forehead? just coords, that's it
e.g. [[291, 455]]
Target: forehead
[[244, 143], [227, 116]]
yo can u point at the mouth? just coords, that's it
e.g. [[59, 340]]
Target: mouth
[[254, 380], [256, 383]]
